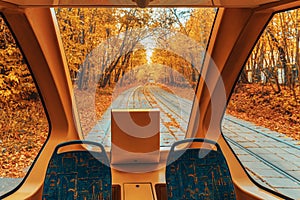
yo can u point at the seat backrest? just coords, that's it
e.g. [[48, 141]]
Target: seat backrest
[[78, 174], [198, 173]]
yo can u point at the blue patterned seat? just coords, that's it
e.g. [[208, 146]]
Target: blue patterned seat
[[194, 173], [78, 174]]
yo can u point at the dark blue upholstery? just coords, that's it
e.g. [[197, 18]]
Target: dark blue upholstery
[[198, 174], [78, 175]]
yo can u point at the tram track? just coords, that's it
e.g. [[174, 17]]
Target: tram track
[[276, 162], [132, 100], [160, 94], [140, 96], [265, 161], [151, 99], [117, 103], [168, 102], [262, 133], [127, 99]]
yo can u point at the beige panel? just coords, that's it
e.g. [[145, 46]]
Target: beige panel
[[135, 136]]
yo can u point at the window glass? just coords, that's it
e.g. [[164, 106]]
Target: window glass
[[262, 120], [135, 59], [23, 124]]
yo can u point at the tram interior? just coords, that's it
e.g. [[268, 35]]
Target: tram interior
[[127, 100]]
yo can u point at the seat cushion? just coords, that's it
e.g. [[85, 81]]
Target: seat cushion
[[78, 175], [198, 174]]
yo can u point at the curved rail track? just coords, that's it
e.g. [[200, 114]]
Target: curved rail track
[[272, 159]]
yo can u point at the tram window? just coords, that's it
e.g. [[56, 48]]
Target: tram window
[[135, 58], [23, 123], [262, 120]]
